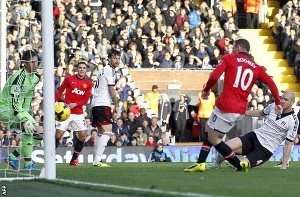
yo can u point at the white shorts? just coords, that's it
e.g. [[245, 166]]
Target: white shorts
[[223, 122], [76, 121]]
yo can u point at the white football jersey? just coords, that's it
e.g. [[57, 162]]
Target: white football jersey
[[106, 78], [276, 129]]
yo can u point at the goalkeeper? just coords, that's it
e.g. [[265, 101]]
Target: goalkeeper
[[15, 102]]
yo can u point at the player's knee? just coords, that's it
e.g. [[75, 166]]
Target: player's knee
[[59, 134], [81, 136], [104, 139]]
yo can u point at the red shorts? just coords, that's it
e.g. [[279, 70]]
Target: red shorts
[[101, 115]]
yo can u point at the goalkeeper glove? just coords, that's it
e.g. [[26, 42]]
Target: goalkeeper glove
[[28, 122], [28, 127]]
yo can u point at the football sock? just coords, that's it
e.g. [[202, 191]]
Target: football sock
[[56, 142], [205, 149], [14, 155], [218, 161], [228, 154], [99, 146], [77, 149]]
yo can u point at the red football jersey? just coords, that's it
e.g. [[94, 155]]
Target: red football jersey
[[240, 75], [77, 91]]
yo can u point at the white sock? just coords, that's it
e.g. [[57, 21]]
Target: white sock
[[99, 146]]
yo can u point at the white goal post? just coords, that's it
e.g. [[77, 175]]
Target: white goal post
[[48, 105]]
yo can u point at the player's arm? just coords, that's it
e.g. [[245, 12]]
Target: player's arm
[[289, 140], [113, 94], [254, 113], [61, 90], [286, 153], [213, 78]]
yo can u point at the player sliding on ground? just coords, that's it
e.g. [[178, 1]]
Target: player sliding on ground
[[259, 145], [15, 102], [240, 75]]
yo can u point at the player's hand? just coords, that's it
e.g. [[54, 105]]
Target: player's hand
[[278, 109], [29, 127], [72, 105], [205, 95]]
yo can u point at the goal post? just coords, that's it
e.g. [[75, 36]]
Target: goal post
[[48, 105]]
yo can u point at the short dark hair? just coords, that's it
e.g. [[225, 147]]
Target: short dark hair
[[114, 52], [154, 87], [243, 43], [82, 62], [27, 55]]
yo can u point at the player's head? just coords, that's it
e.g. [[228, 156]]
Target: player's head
[[30, 60], [241, 45], [81, 68], [114, 58], [287, 101]]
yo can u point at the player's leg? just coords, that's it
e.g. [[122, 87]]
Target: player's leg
[[100, 145], [218, 125], [199, 166], [102, 118], [79, 126], [7, 119], [258, 154], [61, 127]]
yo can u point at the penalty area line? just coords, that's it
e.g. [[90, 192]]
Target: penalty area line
[[145, 190]]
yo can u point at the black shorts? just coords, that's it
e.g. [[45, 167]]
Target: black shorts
[[255, 152], [101, 115]]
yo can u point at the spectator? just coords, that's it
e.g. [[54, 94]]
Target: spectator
[[158, 155], [251, 9], [143, 116], [152, 98], [112, 140], [140, 136], [164, 111], [119, 128], [90, 141], [150, 141], [181, 115], [133, 142]]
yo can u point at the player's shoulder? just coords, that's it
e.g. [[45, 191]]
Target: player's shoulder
[[108, 70]]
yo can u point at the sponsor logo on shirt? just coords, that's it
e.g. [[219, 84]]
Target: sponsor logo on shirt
[[77, 91]]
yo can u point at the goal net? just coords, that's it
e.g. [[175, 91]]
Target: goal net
[[22, 96]]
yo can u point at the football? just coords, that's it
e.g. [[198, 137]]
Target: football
[[62, 111]]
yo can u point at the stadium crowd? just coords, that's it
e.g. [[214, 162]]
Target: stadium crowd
[[286, 30], [154, 34]]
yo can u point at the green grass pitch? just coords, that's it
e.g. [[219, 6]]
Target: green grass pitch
[[161, 179]]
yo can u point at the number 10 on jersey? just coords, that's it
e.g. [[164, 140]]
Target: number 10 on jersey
[[241, 76]]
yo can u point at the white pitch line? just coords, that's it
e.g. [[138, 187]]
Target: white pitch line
[[19, 179], [156, 191]]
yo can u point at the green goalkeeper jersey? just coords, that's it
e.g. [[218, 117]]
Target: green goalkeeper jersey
[[17, 93]]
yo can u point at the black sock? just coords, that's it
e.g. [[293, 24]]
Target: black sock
[[78, 146], [205, 149], [15, 153], [56, 143], [229, 155]]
